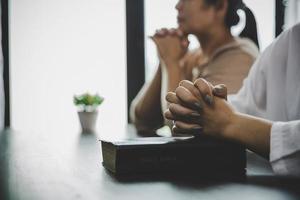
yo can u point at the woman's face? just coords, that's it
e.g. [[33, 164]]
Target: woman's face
[[195, 16]]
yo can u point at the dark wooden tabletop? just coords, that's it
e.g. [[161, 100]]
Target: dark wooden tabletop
[[61, 164]]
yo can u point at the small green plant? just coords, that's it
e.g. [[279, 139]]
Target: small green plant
[[87, 102]]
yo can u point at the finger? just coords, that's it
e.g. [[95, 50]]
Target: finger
[[188, 127], [154, 38], [161, 32], [187, 98], [185, 43], [173, 32], [180, 112], [179, 33], [172, 98], [157, 33], [190, 86], [220, 91], [205, 89], [168, 115], [177, 132], [196, 119], [182, 31]]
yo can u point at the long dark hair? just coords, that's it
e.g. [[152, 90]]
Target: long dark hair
[[232, 18]]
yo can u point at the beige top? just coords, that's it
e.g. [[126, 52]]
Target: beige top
[[229, 65]]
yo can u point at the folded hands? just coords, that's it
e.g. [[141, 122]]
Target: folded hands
[[199, 107]]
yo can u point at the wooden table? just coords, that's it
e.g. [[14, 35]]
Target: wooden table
[[61, 164]]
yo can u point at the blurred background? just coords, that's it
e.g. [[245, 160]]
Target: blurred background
[[59, 48]]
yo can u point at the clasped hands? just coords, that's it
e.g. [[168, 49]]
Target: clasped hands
[[199, 108], [171, 44]]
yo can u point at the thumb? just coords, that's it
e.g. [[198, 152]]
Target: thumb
[[185, 43], [220, 91], [153, 38]]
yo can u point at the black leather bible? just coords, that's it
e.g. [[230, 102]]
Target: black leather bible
[[202, 156]]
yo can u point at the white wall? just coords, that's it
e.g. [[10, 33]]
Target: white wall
[[264, 11], [59, 48], [158, 14]]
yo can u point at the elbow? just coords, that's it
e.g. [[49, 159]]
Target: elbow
[[144, 125]]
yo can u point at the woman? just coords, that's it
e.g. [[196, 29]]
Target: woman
[[220, 59], [270, 99]]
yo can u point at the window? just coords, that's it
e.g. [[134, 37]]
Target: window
[[59, 48]]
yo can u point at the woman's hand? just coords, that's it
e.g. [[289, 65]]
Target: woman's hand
[[171, 45], [199, 108]]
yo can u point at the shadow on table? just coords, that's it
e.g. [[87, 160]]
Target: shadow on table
[[256, 183], [280, 182], [180, 179]]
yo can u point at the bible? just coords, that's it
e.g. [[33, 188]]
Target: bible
[[201, 155]]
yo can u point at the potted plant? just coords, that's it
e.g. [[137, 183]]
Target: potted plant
[[87, 110]]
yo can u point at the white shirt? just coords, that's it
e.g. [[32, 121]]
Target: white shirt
[[272, 91]]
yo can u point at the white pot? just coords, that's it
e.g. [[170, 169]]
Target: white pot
[[88, 121]]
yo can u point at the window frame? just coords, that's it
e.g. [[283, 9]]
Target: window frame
[[135, 31], [5, 51]]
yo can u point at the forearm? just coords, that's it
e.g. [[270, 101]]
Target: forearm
[[251, 131], [170, 81], [148, 107], [175, 75]]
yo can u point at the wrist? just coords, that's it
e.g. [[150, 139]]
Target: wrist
[[231, 126], [172, 68], [171, 63]]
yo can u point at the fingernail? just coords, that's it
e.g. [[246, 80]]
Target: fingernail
[[208, 99], [198, 105], [194, 114], [218, 90], [197, 128]]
